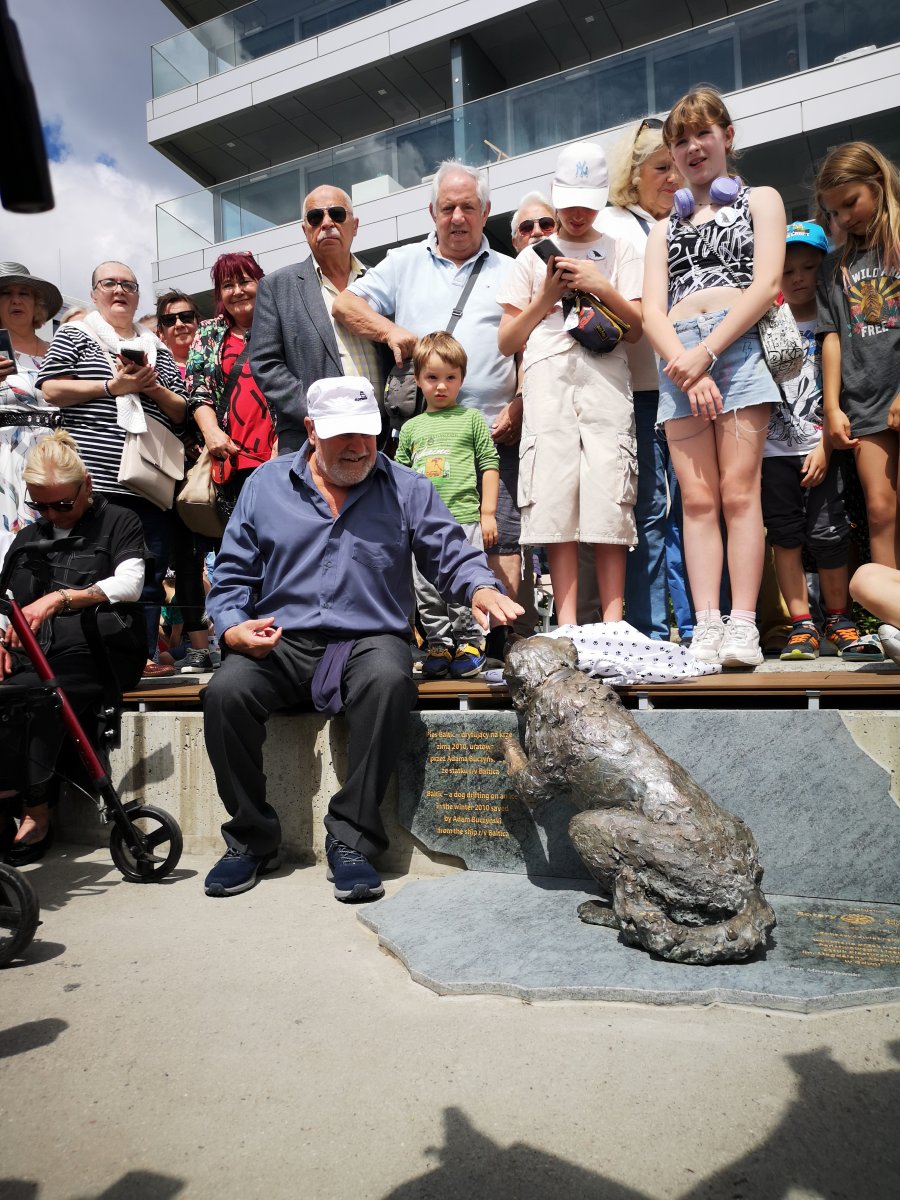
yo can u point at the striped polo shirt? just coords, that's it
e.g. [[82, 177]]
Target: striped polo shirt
[[92, 423]]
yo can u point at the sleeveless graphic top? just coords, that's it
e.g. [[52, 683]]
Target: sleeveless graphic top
[[698, 253]]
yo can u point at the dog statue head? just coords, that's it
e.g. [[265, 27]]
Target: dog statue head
[[529, 663]]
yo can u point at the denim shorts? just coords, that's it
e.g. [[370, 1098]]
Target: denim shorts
[[740, 372]]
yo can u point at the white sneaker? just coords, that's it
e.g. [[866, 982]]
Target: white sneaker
[[707, 640], [890, 642], [740, 645]]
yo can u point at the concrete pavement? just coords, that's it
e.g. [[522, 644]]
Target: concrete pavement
[[157, 1043]]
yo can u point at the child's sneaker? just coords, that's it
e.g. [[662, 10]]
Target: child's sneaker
[[740, 645], [468, 660], [802, 644], [437, 662], [707, 640], [890, 642]]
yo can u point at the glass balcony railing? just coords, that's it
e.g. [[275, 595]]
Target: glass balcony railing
[[777, 40], [245, 34]]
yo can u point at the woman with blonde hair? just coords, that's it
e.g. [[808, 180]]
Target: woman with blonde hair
[[858, 320], [712, 269], [643, 179], [107, 568]]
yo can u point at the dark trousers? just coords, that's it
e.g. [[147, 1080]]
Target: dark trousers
[[157, 526], [378, 694], [188, 553]]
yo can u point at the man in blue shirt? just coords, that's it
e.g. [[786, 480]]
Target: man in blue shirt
[[312, 595]]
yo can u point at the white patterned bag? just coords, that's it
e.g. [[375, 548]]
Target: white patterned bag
[[782, 344]]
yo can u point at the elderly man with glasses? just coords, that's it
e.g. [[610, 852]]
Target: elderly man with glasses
[[294, 340]]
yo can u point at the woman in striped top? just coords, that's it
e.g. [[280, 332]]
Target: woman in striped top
[[84, 373]]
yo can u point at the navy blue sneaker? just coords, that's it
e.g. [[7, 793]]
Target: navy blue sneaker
[[437, 662], [468, 660], [236, 871], [352, 874]]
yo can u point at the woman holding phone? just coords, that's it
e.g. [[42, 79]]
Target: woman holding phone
[[26, 303], [94, 370]]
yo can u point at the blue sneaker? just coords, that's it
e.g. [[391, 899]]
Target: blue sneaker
[[236, 871], [352, 874], [468, 660], [437, 662]]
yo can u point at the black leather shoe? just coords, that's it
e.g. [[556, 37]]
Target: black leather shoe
[[23, 853]]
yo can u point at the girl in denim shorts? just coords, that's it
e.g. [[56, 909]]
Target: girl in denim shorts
[[711, 271]]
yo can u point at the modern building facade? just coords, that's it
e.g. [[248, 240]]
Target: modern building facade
[[263, 101]]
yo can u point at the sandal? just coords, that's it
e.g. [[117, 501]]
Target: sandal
[[865, 649]]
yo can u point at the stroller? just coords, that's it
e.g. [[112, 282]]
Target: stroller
[[145, 842]]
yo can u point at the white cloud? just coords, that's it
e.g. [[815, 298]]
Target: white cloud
[[100, 214]]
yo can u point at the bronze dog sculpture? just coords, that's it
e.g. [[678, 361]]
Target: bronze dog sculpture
[[682, 873]]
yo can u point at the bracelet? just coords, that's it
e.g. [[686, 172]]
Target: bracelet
[[106, 390], [67, 599], [713, 358]]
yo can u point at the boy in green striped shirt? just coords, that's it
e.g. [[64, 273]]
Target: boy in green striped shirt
[[450, 445]]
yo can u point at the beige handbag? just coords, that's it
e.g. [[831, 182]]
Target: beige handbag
[[196, 502], [152, 463]]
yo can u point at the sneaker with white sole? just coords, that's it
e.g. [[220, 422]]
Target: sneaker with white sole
[[353, 876], [740, 645], [197, 662], [707, 640], [890, 642]]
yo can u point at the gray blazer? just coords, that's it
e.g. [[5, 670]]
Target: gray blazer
[[292, 345]]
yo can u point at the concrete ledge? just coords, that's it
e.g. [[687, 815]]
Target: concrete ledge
[[163, 761]]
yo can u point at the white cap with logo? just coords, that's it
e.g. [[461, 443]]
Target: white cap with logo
[[581, 179], [346, 404]]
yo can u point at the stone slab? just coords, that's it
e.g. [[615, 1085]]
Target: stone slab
[[819, 806], [505, 934]]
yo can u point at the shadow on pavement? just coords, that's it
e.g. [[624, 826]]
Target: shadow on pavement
[[19, 1039]]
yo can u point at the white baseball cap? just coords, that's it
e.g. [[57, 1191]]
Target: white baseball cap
[[581, 179], [346, 404]]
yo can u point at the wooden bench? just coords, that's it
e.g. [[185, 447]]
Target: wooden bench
[[864, 687]]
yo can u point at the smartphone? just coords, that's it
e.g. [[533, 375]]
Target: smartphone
[[138, 357], [546, 249], [6, 350]]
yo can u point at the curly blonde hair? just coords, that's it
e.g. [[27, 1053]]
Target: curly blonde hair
[[54, 460]]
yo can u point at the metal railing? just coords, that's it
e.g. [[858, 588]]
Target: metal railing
[[763, 44], [247, 33]]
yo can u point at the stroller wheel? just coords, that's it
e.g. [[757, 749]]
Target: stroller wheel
[[159, 848], [19, 913]]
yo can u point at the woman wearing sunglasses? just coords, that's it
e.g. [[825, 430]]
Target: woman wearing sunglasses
[[643, 179], [106, 566], [226, 403]]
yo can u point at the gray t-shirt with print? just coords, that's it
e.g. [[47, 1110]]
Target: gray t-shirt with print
[[862, 306]]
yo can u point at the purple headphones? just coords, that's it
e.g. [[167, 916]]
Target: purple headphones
[[722, 191]]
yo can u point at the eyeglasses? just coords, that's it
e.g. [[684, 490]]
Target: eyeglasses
[[63, 506], [315, 216], [186, 318], [110, 285], [547, 224], [649, 123]]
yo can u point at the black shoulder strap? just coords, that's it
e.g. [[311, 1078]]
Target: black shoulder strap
[[231, 381], [642, 221], [467, 291]]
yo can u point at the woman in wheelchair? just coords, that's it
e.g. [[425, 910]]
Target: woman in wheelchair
[[97, 558]]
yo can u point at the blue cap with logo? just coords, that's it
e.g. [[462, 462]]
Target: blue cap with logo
[[807, 233]]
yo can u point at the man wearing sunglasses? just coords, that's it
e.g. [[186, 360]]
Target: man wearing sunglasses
[[295, 340], [534, 219]]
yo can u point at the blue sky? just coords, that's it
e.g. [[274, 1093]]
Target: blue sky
[[91, 72]]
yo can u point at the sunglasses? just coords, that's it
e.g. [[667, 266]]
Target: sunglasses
[[110, 285], [186, 318], [648, 123], [547, 225], [63, 506], [315, 216]]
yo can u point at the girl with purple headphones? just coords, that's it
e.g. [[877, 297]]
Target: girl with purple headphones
[[711, 271]]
